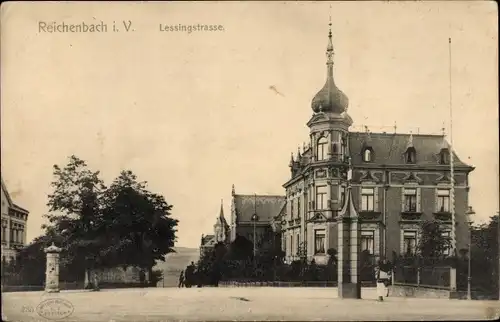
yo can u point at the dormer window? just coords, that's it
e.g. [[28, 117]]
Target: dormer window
[[444, 156], [410, 155], [368, 155], [322, 148]]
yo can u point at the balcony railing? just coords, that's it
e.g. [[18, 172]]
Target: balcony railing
[[411, 215], [443, 215]]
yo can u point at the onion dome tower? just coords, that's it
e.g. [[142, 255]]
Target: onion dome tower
[[330, 98], [330, 122]]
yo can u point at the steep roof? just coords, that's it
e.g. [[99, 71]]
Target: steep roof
[[6, 193], [266, 207], [9, 199], [221, 220], [389, 148], [17, 208]]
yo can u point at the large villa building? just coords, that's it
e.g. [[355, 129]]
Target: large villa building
[[398, 180], [14, 224]]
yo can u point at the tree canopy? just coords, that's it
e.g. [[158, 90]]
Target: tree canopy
[[124, 224]]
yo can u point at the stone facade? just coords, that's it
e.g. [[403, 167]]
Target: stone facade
[[14, 225], [243, 210], [398, 180], [128, 275]]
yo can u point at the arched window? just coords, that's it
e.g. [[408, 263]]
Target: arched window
[[410, 156], [321, 148], [368, 155]]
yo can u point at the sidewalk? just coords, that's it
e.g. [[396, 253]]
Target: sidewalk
[[210, 304]]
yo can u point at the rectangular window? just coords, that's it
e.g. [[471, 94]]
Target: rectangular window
[[291, 245], [367, 199], [409, 242], [410, 200], [319, 242], [447, 237], [4, 233], [298, 207], [367, 241], [291, 208], [443, 198], [342, 196], [321, 201], [297, 238]]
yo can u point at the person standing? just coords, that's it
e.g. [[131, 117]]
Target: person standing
[[383, 276], [181, 279]]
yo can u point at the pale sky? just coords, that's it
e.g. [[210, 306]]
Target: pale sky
[[193, 114]]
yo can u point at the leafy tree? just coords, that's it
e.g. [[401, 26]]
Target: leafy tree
[[432, 244], [484, 256], [76, 213], [97, 226], [240, 249], [137, 224]]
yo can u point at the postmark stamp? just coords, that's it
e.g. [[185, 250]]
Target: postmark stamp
[[55, 309]]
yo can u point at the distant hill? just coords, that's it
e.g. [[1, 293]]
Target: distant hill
[[175, 263]]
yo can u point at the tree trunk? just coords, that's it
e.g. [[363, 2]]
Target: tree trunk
[[88, 280], [91, 279], [95, 280]]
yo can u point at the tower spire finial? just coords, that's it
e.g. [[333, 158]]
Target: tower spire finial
[[329, 48], [221, 214]]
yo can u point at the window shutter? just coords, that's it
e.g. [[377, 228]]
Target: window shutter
[[418, 200], [375, 199], [312, 204], [436, 209], [402, 199]]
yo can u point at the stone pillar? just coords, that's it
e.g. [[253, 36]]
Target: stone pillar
[[52, 269], [349, 285], [453, 279]]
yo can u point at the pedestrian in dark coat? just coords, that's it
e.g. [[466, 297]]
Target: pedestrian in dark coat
[[181, 279]]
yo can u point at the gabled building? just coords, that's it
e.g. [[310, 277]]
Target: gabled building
[[398, 180], [221, 234], [251, 213], [14, 225]]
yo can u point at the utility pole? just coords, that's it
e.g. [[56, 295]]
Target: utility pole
[[452, 174], [469, 213], [254, 219]]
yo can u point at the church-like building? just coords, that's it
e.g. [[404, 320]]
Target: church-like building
[[221, 234], [398, 180], [251, 214]]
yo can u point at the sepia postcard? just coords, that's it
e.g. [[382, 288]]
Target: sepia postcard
[[285, 161]]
